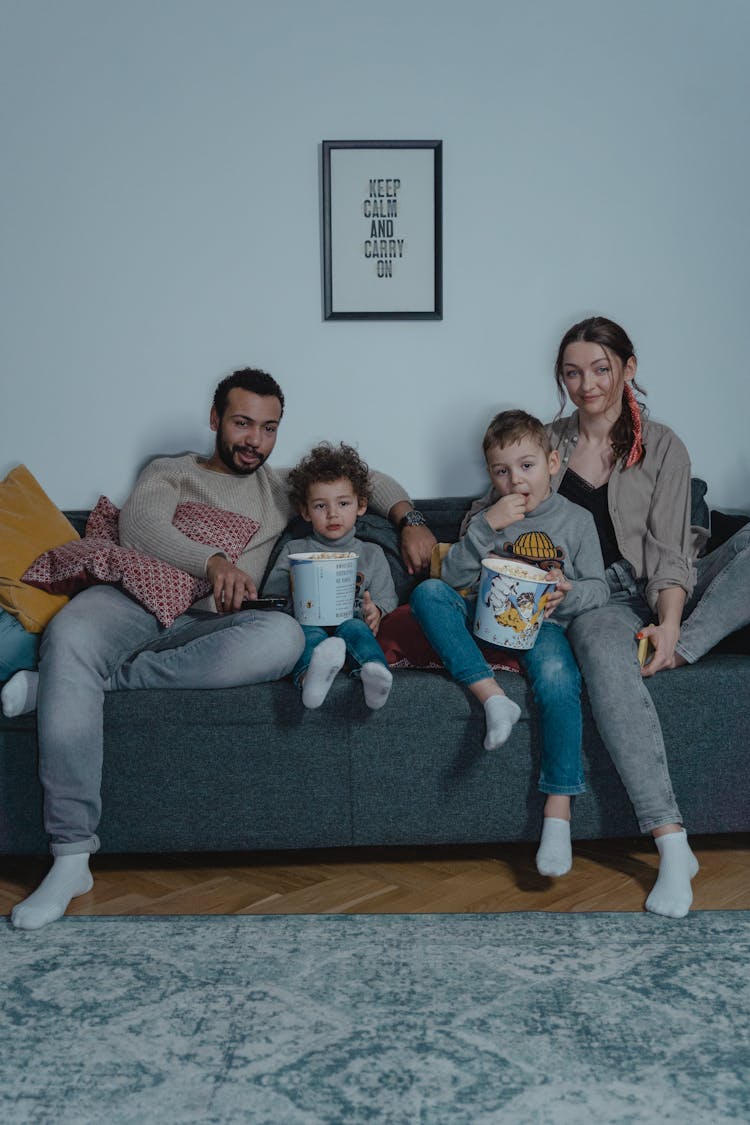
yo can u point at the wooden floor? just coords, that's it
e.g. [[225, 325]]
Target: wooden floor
[[606, 875]]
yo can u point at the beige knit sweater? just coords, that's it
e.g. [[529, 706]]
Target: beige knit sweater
[[146, 517]]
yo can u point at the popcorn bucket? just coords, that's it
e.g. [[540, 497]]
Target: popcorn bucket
[[323, 586], [510, 604]]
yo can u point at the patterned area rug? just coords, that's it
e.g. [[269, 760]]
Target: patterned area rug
[[518, 1018]]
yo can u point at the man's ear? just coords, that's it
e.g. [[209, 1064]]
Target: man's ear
[[214, 419], [553, 461]]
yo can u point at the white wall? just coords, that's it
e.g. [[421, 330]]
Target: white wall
[[160, 222]]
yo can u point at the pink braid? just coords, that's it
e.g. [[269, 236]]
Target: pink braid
[[636, 449]]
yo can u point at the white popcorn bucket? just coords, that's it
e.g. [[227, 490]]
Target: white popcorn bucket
[[510, 604], [323, 586]]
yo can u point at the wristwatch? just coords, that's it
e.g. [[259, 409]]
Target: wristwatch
[[413, 518]]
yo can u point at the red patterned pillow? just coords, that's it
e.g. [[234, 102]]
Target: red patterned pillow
[[161, 588], [104, 521], [405, 645]]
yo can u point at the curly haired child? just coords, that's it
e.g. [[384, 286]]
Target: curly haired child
[[330, 487]]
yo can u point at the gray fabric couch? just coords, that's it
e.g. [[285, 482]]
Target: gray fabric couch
[[251, 769]]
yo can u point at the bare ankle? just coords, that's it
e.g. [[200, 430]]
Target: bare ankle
[[485, 689], [557, 805]]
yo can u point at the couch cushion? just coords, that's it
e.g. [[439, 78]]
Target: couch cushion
[[405, 645], [723, 526], [698, 505], [444, 516], [161, 588], [29, 524]]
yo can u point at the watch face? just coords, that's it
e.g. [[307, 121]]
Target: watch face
[[414, 519]]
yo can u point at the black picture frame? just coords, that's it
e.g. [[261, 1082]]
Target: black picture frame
[[382, 230]]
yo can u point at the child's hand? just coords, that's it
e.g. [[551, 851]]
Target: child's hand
[[505, 511], [371, 615], [554, 597]]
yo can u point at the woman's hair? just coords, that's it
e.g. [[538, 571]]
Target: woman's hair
[[510, 426], [614, 340], [327, 463]]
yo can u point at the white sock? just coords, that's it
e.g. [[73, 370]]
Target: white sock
[[18, 696], [376, 684], [501, 714], [672, 893], [68, 877], [327, 659], [555, 855]]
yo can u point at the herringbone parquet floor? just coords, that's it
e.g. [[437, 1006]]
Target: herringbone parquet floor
[[606, 875]]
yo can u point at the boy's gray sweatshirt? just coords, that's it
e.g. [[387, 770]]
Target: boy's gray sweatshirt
[[572, 531], [373, 572]]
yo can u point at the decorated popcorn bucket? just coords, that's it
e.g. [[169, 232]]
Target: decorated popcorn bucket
[[323, 586], [510, 604]]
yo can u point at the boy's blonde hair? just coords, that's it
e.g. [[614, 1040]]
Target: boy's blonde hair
[[510, 426]]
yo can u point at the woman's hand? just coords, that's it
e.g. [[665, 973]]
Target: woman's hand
[[562, 587], [371, 615], [505, 511], [663, 639], [665, 635]]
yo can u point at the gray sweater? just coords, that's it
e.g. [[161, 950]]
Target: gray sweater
[[373, 572], [649, 505], [570, 528]]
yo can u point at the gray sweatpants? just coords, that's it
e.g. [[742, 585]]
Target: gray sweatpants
[[103, 641], [603, 641]]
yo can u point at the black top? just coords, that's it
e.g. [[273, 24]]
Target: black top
[[594, 500]]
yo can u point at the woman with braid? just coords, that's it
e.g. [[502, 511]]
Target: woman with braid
[[633, 475]]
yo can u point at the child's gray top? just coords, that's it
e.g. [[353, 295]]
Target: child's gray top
[[571, 529], [373, 572]]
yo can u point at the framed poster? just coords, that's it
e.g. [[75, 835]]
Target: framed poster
[[382, 230]]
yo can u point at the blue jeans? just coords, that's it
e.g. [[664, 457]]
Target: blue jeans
[[550, 667], [18, 648], [604, 642], [103, 641], [361, 645]]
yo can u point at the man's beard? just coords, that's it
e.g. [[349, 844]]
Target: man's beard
[[226, 453]]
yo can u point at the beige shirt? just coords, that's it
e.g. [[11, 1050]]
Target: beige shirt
[[146, 517]]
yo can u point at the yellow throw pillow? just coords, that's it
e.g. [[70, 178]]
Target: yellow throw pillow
[[439, 551], [29, 525]]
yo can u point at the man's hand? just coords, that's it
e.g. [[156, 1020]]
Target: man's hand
[[230, 584], [371, 615], [416, 549], [554, 597], [505, 511]]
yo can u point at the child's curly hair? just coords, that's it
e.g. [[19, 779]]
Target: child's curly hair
[[327, 463]]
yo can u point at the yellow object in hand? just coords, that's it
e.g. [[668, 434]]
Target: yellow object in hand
[[645, 648]]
